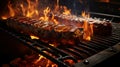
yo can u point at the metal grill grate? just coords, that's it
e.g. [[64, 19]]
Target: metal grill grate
[[77, 52]]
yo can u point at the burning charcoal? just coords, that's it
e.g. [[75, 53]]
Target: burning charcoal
[[69, 62]]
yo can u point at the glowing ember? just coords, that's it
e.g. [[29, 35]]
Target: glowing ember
[[51, 44], [69, 61], [47, 62], [40, 57], [34, 37], [32, 60], [4, 17]]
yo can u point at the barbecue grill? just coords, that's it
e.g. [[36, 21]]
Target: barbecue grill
[[84, 54], [99, 48]]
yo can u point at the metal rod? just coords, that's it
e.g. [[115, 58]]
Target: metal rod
[[105, 14]]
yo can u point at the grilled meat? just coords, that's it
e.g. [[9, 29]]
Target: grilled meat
[[46, 31]]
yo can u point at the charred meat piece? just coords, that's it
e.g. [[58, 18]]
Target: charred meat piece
[[70, 29], [100, 26], [46, 31]]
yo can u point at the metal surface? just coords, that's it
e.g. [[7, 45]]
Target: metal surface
[[99, 57], [114, 48], [41, 47], [85, 52]]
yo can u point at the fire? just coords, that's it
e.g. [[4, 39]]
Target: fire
[[46, 17], [30, 9], [88, 28], [47, 62], [52, 44], [85, 15], [56, 9], [34, 37], [12, 12], [4, 17], [86, 35], [45, 12], [40, 57], [66, 11], [23, 9], [54, 20]]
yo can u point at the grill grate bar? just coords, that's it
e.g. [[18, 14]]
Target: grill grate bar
[[116, 36], [31, 44], [110, 40], [41, 52], [57, 50], [95, 45], [74, 53], [112, 37], [91, 46], [81, 50], [77, 52], [99, 43], [104, 41], [87, 48]]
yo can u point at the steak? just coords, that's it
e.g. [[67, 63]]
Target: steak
[[100, 26], [70, 29], [46, 31]]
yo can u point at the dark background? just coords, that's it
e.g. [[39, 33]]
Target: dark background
[[113, 7]]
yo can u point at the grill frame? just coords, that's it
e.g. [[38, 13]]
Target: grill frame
[[99, 57]]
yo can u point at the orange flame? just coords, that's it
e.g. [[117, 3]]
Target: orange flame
[[23, 9], [45, 12], [54, 20], [12, 12], [56, 7], [31, 10], [34, 37], [48, 62], [88, 28], [4, 17], [66, 11], [86, 35]]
